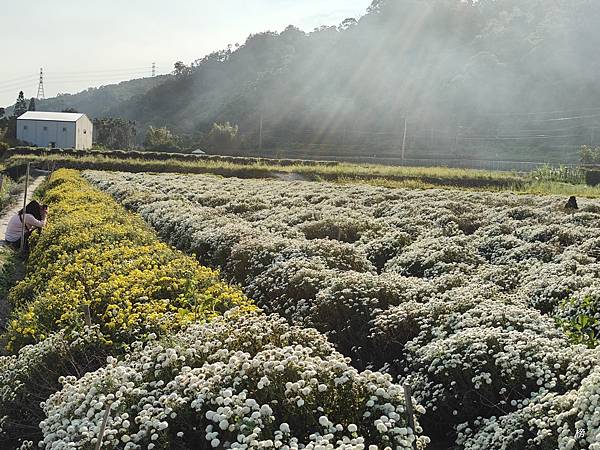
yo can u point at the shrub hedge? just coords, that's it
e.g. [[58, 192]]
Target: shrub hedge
[[94, 253], [171, 378]]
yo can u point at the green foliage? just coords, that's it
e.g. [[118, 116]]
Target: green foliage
[[31, 104], [579, 318], [327, 92], [94, 253], [592, 177], [8, 269], [161, 139], [101, 101], [8, 191], [21, 106], [223, 136], [34, 374], [181, 70], [114, 133], [561, 174], [589, 155], [10, 128]]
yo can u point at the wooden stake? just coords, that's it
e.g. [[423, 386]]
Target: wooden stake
[[24, 206], [404, 138], [86, 315], [103, 427], [52, 171], [409, 408]]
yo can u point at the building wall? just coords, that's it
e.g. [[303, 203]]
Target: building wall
[[43, 133], [85, 134]]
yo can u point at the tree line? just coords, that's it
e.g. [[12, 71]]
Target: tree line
[[119, 133], [500, 79], [472, 78]]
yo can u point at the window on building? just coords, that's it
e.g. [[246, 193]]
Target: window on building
[[84, 131], [45, 128], [64, 130], [25, 127]]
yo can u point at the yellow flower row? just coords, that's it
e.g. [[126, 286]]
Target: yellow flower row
[[93, 252]]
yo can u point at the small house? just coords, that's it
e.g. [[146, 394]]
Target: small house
[[55, 129]]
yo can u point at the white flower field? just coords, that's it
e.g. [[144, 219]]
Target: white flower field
[[486, 304]]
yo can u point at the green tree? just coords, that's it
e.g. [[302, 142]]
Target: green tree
[[21, 105], [223, 136], [589, 155], [181, 69], [114, 132], [161, 139], [2, 113], [31, 104]]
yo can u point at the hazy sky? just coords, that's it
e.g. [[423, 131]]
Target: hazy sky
[[91, 43]]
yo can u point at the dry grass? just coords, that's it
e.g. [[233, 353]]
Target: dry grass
[[376, 175]]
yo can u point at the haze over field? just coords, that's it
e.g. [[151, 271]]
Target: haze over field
[[110, 41], [493, 79]]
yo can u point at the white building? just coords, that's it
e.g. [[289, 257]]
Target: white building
[[54, 129]]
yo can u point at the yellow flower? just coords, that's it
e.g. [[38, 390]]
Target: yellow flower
[[94, 252]]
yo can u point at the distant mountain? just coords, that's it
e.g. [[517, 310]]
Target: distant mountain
[[98, 102], [493, 79], [502, 79]]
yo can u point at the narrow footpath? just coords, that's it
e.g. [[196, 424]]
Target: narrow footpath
[[33, 185], [18, 271]]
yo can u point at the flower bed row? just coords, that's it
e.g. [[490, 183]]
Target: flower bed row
[[456, 295], [94, 254], [170, 372]]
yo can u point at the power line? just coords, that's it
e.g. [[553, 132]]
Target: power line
[[540, 113], [98, 78], [115, 71], [81, 72], [18, 83]]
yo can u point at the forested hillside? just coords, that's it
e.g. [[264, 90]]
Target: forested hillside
[[498, 79], [98, 102]]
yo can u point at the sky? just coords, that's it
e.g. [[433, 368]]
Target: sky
[[81, 44]]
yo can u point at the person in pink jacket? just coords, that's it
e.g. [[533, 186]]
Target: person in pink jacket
[[34, 217]]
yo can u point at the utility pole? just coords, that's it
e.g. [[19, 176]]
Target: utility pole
[[153, 69], [458, 127], [404, 139], [40, 92], [260, 133]]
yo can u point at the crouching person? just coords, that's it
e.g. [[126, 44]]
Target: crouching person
[[34, 218]]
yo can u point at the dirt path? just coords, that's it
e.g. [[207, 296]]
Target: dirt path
[[15, 209], [13, 267]]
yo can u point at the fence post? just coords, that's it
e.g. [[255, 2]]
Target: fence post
[[24, 206], [1, 183], [409, 409], [103, 426]]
